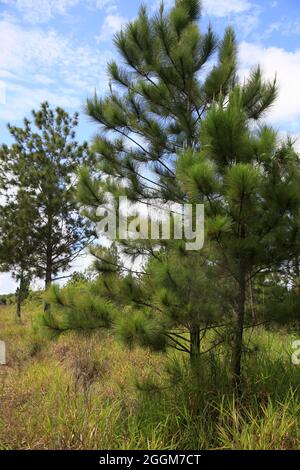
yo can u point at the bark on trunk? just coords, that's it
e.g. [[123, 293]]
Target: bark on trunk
[[48, 281], [18, 308], [238, 346], [49, 259], [19, 298], [48, 278], [195, 342]]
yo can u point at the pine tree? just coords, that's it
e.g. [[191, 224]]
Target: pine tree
[[156, 110], [156, 103], [151, 121], [41, 165], [249, 183]]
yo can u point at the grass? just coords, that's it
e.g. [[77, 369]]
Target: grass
[[86, 391]]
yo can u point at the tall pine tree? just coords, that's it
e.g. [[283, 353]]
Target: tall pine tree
[[156, 106], [41, 167]]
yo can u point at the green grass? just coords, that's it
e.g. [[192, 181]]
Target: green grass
[[84, 391]]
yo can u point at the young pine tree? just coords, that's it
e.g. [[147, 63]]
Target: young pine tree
[[248, 181], [155, 108], [157, 101], [153, 113]]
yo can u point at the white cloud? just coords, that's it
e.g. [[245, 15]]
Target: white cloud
[[108, 5], [285, 27], [21, 99], [43, 79], [34, 52], [247, 22], [8, 285], [212, 7], [38, 64], [41, 11], [297, 143], [284, 64], [225, 7], [243, 14], [22, 46], [111, 25]]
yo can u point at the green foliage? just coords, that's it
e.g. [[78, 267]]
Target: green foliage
[[18, 218], [176, 134], [138, 328], [172, 133], [238, 177], [75, 308], [257, 96], [40, 168], [165, 57], [248, 182], [223, 76]]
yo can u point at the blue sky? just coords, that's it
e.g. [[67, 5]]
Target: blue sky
[[58, 50]]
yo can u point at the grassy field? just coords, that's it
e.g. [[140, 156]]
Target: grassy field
[[86, 391]]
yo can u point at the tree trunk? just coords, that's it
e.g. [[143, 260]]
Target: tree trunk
[[19, 298], [195, 342], [48, 279], [49, 255], [297, 272], [18, 309], [238, 346]]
